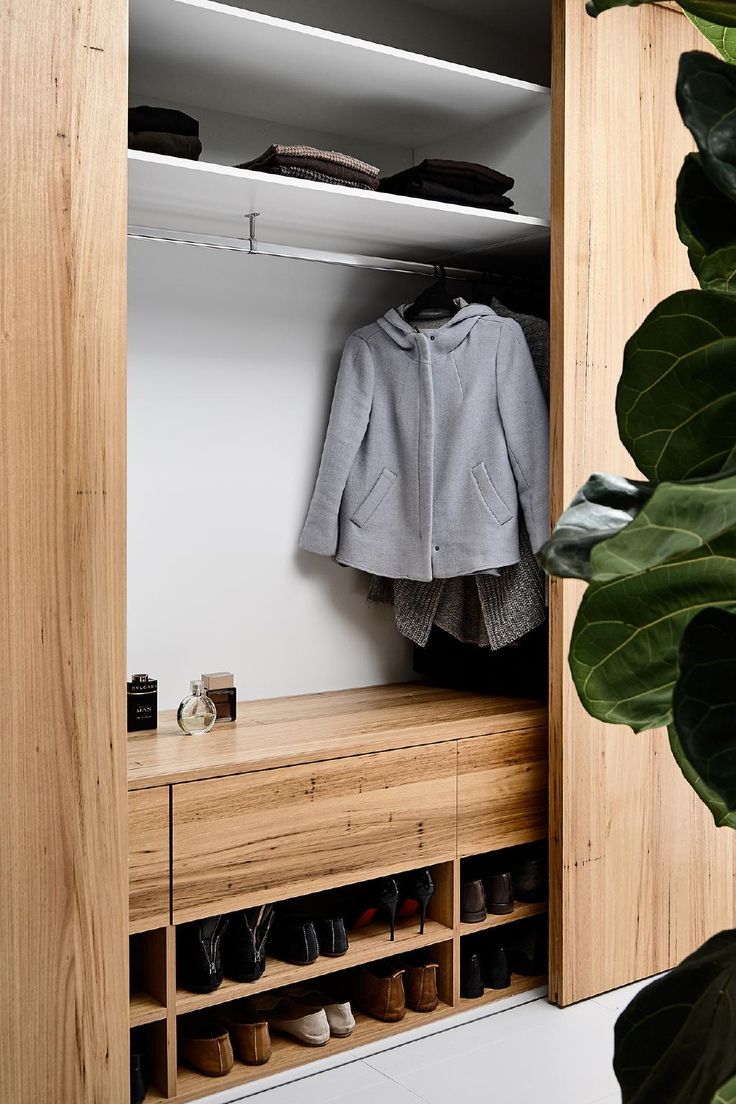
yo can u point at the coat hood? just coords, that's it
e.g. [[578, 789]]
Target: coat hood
[[447, 336]]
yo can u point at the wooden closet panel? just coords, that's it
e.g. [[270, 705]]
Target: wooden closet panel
[[281, 833], [149, 861], [63, 854], [501, 791], [640, 875]]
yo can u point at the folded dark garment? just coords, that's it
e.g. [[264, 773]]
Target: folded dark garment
[[172, 145], [300, 173], [464, 175], [293, 156], [335, 172], [162, 119], [430, 189]]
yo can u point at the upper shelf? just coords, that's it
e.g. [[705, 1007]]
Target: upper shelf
[[201, 53], [192, 196]]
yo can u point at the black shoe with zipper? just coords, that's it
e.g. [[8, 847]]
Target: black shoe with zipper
[[244, 945], [199, 965]]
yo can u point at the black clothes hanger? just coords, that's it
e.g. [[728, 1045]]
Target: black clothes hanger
[[434, 302]]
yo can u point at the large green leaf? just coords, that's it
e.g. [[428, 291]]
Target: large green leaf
[[706, 223], [623, 653], [727, 1093], [703, 732], [676, 400], [723, 38], [679, 518], [602, 507], [676, 1042], [720, 11], [706, 96]]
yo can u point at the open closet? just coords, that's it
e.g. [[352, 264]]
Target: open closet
[[344, 766]]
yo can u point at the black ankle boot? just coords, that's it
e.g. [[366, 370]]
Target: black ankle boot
[[244, 945], [496, 971], [199, 954], [471, 974]]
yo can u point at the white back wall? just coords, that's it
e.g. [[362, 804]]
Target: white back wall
[[232, 362]]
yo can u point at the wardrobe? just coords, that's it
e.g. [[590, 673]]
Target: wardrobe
[[204, 308]]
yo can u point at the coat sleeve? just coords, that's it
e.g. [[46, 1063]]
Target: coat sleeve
[[351, 407], [526, 426]]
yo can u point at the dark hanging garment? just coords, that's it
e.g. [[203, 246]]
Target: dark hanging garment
[[518, 671]]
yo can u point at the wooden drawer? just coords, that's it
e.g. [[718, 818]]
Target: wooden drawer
[[148, 858], [501, 790], [280, 833]]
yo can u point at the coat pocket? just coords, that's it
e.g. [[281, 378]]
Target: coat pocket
[[374, 498], [490, 495]]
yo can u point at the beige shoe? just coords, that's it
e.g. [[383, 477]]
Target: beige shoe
[[339, 1013], [304, 1023]]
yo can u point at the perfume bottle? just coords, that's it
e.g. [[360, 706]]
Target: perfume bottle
[[196, 714], [142, 703], [220, 688]]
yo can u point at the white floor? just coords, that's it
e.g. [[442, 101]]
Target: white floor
[[526, 1054]]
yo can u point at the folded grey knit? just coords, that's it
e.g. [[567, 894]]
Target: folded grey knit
[[276, 152]]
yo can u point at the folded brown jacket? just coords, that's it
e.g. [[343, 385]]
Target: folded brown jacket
[[431, 189], [171, 145]]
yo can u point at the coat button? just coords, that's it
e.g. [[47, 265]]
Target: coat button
[[436, 548], [431, 339]]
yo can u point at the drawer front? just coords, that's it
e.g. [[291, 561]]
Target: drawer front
[[281, 833], [501, 791], [148, 858]]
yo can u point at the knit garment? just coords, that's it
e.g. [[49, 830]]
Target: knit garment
[[171, 145], [486, 610], [464, 176], [293, 155], [442, 193], [300, 173]]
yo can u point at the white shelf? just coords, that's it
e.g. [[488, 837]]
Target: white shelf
[[197, 52], [192, 196]]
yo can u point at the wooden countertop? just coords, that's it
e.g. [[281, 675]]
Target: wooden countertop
[[278, 732]]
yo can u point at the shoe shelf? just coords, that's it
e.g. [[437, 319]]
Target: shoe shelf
[[369, 944], [288, 1054], [518, 986], [145, 1009], [521, 912]]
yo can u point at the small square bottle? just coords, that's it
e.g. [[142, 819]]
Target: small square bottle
[[219, 688]]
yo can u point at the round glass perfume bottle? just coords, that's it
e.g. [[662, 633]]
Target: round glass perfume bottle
[[196, 714]]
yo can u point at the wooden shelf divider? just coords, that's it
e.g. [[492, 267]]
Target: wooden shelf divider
[[145, 1009]]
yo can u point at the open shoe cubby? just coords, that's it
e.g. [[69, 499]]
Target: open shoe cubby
[[155, 951]]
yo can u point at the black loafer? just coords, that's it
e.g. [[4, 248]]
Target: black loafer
[[293, 938], [332, 938]]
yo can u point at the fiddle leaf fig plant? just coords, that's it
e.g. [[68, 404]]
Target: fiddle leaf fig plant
[[654, 641]]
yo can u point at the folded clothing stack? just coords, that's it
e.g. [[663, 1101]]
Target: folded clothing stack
[[462, 182], [163, 130], [308, 163]]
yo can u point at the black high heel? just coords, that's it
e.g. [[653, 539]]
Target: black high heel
[[417, 889], [379, 897]]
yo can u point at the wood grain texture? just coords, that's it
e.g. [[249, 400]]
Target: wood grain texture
[[149, 862], [271, 835], [638, 870], [501, 791], [314, 727], [63, 953]]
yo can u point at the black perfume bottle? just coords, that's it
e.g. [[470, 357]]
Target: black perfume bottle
[[142, 703]]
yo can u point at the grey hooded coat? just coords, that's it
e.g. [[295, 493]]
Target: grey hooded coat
[[435, 442]]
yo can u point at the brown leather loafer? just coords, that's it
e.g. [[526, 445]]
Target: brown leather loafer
[[473, 902], [380, 994], [420, 986], [250, 1035], [208, 1049]]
